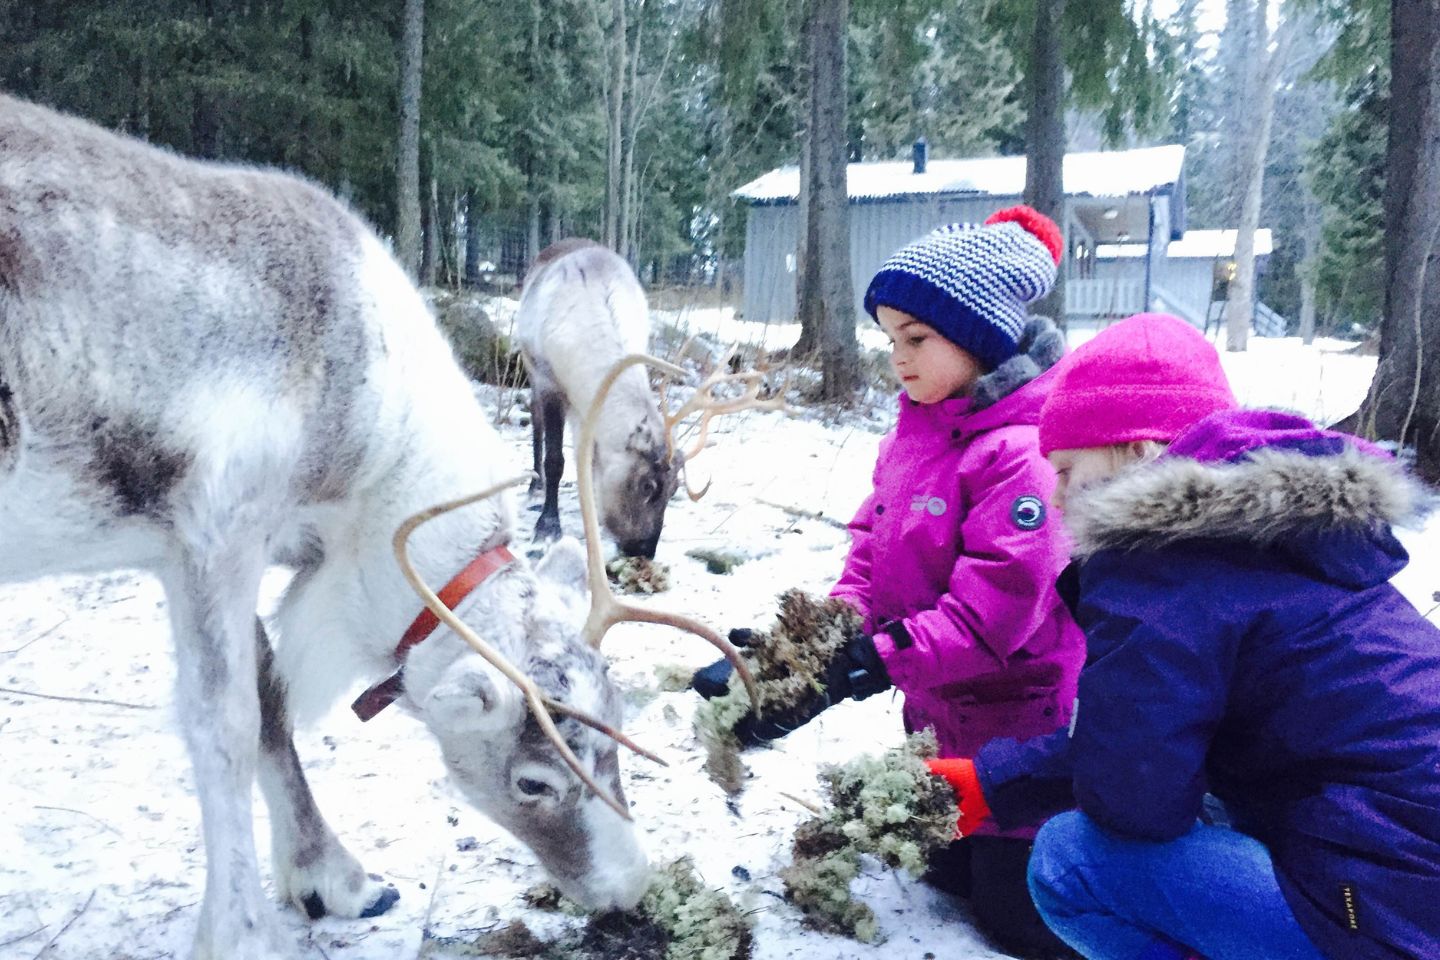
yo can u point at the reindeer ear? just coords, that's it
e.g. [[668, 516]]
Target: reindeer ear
[[564, 566], [472, 698]]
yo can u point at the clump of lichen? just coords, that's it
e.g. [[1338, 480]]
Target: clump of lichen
[[890, 807], [716, 560], [678, 918], [638, 575], [788, 663], [703, 923]]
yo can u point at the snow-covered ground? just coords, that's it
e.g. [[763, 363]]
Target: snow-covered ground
[[100, 851]]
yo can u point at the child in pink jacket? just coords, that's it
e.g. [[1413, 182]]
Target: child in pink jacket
[[955, 554]]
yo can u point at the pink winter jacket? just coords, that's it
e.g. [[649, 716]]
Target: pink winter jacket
[[959, 542]]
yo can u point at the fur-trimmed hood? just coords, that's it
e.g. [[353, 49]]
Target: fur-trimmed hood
[[1041, 347], [1308, 484]]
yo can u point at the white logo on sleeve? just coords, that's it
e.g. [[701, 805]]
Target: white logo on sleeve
[[935, 506]]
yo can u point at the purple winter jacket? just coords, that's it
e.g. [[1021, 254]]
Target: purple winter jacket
[[958, 543], [1244, 640]]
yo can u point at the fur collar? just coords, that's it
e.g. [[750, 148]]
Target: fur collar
[[1041, 346], [1271, 495]]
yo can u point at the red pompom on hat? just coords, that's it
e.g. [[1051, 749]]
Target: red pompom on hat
[[1042, 227]]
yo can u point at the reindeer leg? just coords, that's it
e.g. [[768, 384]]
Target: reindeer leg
[[312, 869], [212, 592], [537, 439], [552, 404]]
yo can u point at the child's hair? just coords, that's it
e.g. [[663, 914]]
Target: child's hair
[[971, 282], [1148, 377], [1136, 452]]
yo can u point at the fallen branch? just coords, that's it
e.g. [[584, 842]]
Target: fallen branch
[[52, 696], [805, 514], [68, 924]]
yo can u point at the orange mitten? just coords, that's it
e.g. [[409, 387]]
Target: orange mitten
[[963, 779]]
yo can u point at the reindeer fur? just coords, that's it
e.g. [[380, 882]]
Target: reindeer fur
[[208, 368], [581, 311]]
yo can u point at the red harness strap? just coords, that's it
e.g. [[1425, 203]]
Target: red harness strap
[[387, 691]]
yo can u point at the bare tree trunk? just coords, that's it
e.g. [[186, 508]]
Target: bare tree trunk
[[628, 191], [1265, 62], [430, 236], [1309, 266], [1404, 400], [1045, 136], [472, 239], [832, 311], [532, 230], [407, 167], [615, 126], [805, 279]]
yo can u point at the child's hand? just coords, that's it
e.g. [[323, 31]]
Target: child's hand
[[965, 781], [712, 681], [856, 672]]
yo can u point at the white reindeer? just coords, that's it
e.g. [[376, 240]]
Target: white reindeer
[[205, 369], [581, 310]]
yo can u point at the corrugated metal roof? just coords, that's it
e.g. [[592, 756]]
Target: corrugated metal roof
[[1111, 173], [1195, 244]]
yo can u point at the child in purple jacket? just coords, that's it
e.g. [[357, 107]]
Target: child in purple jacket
[[1243, 640], [954, 555]]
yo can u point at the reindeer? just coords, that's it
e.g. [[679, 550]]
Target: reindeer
[[581, 311], [205, 369]]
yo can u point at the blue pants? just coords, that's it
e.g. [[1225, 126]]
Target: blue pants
[[1212, 891]]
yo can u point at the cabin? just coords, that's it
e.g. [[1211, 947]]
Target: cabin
[[1129, 249]]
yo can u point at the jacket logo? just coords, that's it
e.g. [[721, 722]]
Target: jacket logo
[[1028, 512], [1347, 894], [935, 506]]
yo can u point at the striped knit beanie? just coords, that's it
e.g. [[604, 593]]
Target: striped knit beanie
[[971, 281]]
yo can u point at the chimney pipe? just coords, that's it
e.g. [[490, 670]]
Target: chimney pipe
[[919, 153]]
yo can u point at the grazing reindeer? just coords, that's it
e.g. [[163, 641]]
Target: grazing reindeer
[[581, 311], [205, 369]]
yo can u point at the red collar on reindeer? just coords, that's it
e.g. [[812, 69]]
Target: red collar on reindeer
[[387, 691]]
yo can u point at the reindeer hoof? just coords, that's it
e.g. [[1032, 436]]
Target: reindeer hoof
[[388, 896], [385, 901], [547, 529]]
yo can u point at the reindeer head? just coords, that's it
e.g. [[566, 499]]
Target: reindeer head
[[500, 755], [533, 743], [635, 484]]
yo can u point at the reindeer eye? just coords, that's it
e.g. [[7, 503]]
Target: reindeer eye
[[533, 788]]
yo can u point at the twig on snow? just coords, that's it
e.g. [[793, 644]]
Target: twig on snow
[[68, 923], [23, 936], [804, 514], [430, 908], [82, 813], [38, 637], [804, 803], [52, 696]]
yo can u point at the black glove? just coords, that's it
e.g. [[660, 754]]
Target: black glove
[[714, 680], [856, 672]]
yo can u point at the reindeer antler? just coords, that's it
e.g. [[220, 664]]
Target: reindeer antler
[[605, 609], [540, 705], [709, 406]]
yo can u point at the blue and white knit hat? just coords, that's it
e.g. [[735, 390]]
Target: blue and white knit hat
[[971, 281]]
